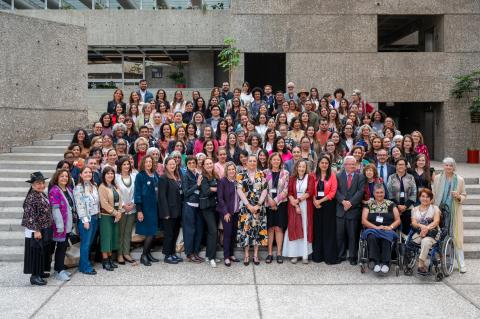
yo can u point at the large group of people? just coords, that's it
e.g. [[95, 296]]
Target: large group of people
[[298, 172]]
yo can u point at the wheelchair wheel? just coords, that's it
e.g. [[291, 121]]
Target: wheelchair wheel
[[408, 271], [397, 270], [447, 256], [439, 277]]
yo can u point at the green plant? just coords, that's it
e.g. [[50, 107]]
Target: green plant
[[468, 84], [178, 77], [229, 57]]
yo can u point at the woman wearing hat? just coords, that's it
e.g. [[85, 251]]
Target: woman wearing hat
[[37, 220]]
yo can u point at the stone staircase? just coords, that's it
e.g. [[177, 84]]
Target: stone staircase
[[15, 169], [43, 155]]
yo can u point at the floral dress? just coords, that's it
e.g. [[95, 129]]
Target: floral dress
[[252, 231]]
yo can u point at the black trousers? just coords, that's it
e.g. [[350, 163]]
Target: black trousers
[[348, 232], [169, 239], [210, 218], [379, 250], [406, 218], [60, 248]]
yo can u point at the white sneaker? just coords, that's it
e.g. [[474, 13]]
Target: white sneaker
[[376, 269], [463, 269], [305, 260], [69, 274], [213, 263], [294, 260], [62, 276], [385, 269]]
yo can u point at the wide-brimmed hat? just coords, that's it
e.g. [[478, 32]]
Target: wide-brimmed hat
[[36, 176], [303, 91]]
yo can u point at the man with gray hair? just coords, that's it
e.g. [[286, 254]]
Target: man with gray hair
[[291, 95], [349, 199]]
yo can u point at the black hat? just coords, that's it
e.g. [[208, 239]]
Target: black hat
[[36, 176]]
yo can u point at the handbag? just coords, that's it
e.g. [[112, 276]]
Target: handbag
[[72, 255]]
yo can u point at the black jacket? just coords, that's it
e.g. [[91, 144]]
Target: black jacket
[[191, 191], [169, 198]]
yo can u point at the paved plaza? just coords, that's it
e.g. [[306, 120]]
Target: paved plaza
[[266, 291]]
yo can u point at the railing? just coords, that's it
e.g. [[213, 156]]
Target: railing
[[114, 4]]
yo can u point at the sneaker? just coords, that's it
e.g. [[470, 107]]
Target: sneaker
[[170, 260], [69, 274], [216, 260], [376, 269], [62, 276], [294, 260], [213, 263], [385, 269], [463, 269], [177, 258]]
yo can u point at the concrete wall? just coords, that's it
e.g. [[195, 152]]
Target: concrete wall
[[42, 79]]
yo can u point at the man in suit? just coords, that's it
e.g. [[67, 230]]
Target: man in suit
[[213, 121], [145, 95], [384, 169], [349, 210]]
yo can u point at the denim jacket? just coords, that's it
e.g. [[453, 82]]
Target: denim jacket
[[86, 201], [191, 191]]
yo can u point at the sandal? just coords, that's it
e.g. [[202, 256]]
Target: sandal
[[279, 259], [234, 259], [246, 261], [269, 259], [256, 261], [129, 260]]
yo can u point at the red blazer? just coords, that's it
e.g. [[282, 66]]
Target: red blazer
[[329, 186], [295, 227]]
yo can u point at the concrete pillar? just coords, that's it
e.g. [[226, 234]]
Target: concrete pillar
[[238, 74], [201, 69]]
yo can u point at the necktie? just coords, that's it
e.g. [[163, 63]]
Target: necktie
[[349, 180], [381, 173]]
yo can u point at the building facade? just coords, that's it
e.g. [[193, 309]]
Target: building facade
[[403, 54]]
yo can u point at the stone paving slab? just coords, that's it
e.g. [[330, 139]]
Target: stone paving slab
[[22, 302]]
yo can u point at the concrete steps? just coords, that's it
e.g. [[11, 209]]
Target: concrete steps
[[39, 149]]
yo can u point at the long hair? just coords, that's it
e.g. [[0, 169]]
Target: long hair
[[318, 171], [176, 174], [80, 179], [106, 170], [58, 172], [86, 141], [295, 168]]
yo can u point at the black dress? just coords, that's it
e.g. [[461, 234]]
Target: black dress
[[324, 230], [279, 217]]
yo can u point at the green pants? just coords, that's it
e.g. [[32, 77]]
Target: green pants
[[126, 225], [108, 234]]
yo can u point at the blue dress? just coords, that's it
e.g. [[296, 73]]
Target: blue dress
[[145, 198]]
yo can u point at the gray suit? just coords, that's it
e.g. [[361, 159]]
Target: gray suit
[[348, 222]]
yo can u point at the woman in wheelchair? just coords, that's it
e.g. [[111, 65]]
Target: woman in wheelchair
[[380, 217], [425, 227]]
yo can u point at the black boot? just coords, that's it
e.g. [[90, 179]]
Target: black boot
[[144, 260], [37, 281], [110, 260], [151, 258], [106, 265]]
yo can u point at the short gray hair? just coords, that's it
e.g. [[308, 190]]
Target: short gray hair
[[349, 157], [451, 161], [119, 126]]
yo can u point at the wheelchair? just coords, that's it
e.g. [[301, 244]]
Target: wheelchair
[[396, 254], [441, 255]]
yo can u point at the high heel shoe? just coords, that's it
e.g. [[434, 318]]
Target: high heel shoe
[[246, 261], [110, 260], [106, 265], [256, 261], [151, 258], [144, 260]]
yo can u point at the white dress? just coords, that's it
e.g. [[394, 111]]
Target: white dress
[[300, 247]]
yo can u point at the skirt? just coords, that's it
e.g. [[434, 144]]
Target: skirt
[[109, 234], [279, 217], [37, 256]]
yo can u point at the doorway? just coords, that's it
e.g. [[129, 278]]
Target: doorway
[[414, 116], [265, 68]]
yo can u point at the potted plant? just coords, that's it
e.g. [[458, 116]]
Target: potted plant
[[229, 57], [468, 86], [178, 77]]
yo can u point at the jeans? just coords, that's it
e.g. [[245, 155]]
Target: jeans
[[86, 239], [192, 223]]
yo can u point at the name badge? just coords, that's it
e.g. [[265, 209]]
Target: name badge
[[181, 191], [116, 204], [273, 190], [156, 189], [320, 194], [379, 219], [148, 183], [196, 192], [402, 194]]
